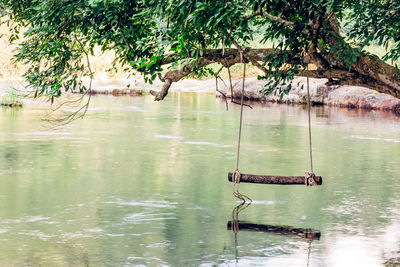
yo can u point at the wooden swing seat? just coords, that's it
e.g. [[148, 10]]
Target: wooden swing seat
[[273, 179]]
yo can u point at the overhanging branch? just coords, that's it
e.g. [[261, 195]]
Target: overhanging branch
[[227, 58], [176, 75], [278, 19], [263, 13], [368, 72]]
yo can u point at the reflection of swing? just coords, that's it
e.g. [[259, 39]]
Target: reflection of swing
[[307, 234], [236, 177], [235, 225]]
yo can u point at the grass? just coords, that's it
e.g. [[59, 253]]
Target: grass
[[11, 98]]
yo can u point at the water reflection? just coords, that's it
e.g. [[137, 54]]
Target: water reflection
[[236, 225], [307, 234], [139, 182]]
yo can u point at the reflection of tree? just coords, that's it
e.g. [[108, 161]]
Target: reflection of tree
[[10, 156], [393, 261]]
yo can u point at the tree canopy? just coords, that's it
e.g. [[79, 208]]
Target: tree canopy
[[151, 36]]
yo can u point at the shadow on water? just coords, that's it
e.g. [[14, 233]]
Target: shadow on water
[[236, 225]]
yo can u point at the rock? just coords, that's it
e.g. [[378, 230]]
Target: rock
[[372, 99], [254, 91], [390, 104], [364, 104], [126, 91], [351, 97], [360, 97]]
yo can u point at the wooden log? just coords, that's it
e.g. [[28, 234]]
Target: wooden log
[[279, 230], [273, 179]]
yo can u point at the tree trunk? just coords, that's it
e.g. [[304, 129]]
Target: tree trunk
[[368, 71]]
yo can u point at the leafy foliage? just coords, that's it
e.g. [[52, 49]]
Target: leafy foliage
[[145, 34], [11, 98], [377, 21]]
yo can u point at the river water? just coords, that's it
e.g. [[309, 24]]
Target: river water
[[144, 183]]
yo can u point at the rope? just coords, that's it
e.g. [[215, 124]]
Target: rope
[[235, 227], [241, 118], [230, 83], [236, 173], [309, 253], [309, 178], [235, 224], [309, 121]]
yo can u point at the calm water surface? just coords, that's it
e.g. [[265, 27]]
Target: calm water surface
[[137, 182]]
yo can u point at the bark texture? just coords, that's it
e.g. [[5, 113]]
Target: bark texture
[[272, 179], [226, 57]]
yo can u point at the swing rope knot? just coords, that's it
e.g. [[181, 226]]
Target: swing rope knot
[[309, 179], [236, 181], [235, 190], [236, 176]]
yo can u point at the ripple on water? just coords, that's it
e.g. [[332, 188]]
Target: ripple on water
[[165, 136], [69, 236], [36, 233], [135, 108], [44, 133], [36, 218], [165, 244], [94, 230], [142, 217], [28, 219], [344, 209], [147, 203], [264, 202], [115, 235], [375, 138], [259, 261], [205, 143], [147, 261]]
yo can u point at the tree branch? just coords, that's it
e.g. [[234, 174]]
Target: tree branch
[[278, 19], [176, 75], [251, 58], [227, 57], [263, 13], [164, 91], [368, 72], [258, 13]]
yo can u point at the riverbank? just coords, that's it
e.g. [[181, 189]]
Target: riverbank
[[351, 97], [320, 94]]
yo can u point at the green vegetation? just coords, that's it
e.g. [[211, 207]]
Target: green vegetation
[[185, 37], [11, 98], [8, 68]]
